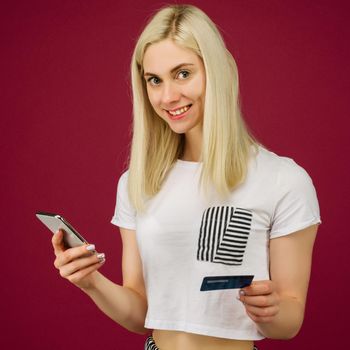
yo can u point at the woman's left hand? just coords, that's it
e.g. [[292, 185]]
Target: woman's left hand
[[261, 301]]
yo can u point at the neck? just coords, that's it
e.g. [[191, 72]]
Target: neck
[[193, 145]]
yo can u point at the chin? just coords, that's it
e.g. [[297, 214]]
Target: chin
[[178, 130]]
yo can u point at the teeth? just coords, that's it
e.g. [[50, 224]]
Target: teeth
[[180, 111]]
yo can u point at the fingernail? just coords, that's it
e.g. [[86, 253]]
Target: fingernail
[[241, 292], [90, 247], [101, 257]]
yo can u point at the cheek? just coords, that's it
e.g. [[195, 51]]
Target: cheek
[[152, 99], [196, 89]]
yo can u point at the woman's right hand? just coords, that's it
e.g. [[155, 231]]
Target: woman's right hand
[[79, 264]]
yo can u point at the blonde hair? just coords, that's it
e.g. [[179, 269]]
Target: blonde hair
[[226, 141]]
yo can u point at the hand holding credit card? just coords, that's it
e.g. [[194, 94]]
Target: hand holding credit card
[[226, 282]]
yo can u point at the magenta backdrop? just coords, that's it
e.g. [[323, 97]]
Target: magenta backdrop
[[65, 126]]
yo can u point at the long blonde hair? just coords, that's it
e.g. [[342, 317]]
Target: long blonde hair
[[226, 140]]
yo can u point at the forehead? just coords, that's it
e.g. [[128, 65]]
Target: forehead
[[161, 57]]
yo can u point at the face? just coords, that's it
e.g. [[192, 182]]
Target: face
[[175, 80]]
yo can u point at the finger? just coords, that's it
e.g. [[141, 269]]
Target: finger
[[262, 311], [79, 275], [80, 264], [57, 242], [259, 300], [74, 253], [260, 319], [258, 288]]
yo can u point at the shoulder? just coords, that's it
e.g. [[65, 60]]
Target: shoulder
[[124, 176], [291, 190], [123, 180], [284, 170], [122, 187]]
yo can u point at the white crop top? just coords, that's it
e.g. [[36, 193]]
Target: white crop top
[[184, 237]]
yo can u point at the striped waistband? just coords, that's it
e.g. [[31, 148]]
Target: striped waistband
[[151, 344]]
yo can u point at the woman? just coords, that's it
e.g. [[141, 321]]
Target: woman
[[201, 198]]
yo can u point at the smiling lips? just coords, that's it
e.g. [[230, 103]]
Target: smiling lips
[[178, 113]]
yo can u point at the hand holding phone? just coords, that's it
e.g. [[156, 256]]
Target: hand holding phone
[[76, 259], [55, 222]]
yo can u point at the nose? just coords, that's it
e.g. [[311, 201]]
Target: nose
[[170, 94]]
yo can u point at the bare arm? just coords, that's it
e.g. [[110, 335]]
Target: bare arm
[[278, 306], [125, 304], [122, 304]]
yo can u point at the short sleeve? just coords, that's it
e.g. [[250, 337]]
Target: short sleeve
[[124, 213], [296, 201]]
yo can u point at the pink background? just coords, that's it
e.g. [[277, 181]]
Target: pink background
[[65, 122]]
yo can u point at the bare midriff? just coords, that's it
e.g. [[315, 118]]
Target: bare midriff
[[176, 340]]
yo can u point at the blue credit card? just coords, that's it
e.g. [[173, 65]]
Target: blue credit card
[[226, 282]]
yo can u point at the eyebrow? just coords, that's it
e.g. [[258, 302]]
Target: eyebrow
[[172, 70]]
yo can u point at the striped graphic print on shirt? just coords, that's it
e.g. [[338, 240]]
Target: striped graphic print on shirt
[[224, 235]]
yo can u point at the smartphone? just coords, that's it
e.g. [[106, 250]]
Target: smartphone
[[55, 222], [226, 282]]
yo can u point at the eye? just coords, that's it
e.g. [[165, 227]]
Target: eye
[[184, 73], [153, 80]]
